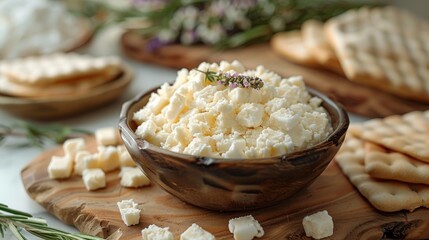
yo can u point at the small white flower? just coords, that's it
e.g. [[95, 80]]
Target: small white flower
[[167, 35], [278, 24]]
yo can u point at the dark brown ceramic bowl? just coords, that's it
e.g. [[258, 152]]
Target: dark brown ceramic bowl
[[232, 184]]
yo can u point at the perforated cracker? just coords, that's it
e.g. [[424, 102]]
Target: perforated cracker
[[59, 67], [318, 46], [385, 195], [384, 164], [408, 134], [76, 87], [291, 46], [384, 48]]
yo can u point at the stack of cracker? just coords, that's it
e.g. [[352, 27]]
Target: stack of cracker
[[60, 74], [388, 161], [384, 48]]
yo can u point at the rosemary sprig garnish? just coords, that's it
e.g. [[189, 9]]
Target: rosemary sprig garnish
[[39, 135], [233, 80], [16, 221]]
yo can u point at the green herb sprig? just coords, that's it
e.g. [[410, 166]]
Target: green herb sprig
[[39, 135], [233, 80], [16, 221]]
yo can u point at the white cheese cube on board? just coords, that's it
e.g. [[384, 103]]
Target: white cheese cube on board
[[78, 162], [195, 232], [245, 228], [91, 161], [130, 213], [108, 159], [72, 146], [318, 225], [133, 177], [154, 232], [124, 157], [94, 179], [107, 136], [126, 204], [121, 148], [60, 167]]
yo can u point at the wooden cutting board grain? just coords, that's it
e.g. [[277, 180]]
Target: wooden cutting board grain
[[356, 98], [96, 212]]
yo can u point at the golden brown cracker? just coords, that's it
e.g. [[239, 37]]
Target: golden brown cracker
[[291, 46], [385, 195], [385, 48], [318, 46], [384, 164], [407, 134]]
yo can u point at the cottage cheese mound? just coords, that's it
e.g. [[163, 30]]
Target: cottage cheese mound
[[199, 117]]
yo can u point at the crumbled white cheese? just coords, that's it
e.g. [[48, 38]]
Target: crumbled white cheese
[[195, 232], [245, 228], [130, 213], [37, 27], [154, 232], [199, 117], [318, 225]]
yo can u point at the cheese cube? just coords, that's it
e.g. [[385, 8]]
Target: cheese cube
[[91, 161], [318, 225], [94, 179], [78, 162], [107, 136], [195, 232], [72, 146], [130, 213], [177, 104], [108, 158], [250, 115], [133, 177], [154, 232], [60, 167], [125, 158], [245, 228]]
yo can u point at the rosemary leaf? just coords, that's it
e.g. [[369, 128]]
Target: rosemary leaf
[[5, 208], [39, 135], [17, 220], [15, 231]]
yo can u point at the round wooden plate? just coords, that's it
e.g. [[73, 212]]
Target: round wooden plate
[[62, 106]]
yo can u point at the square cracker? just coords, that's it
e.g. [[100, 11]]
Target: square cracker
[[408, 134], [291, 46], [385, 195], [59, 67], [385, 48], [383, 164], [318, 46]]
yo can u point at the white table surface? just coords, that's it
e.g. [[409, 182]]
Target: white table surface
[[12, 159]]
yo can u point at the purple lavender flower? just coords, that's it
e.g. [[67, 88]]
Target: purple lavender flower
[[154, 44], [233, 84], [234, 80]]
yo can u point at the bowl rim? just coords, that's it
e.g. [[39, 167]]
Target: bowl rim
[[142, 144]]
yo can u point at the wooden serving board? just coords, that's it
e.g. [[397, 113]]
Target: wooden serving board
[[96, 212], [356, 98]]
